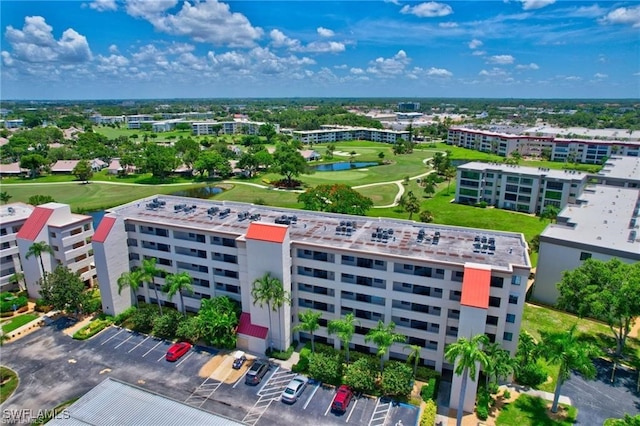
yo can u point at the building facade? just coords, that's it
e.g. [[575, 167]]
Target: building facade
[[228, 127], [620, 171], [519, 188], [12, 218], [329, 135], [436, 283]]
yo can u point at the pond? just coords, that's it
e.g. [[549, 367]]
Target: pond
[[344, 165]]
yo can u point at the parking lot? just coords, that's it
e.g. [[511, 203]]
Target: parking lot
[[58, 368]]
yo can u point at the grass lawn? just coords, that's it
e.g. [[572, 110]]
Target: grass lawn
[[17, 322], [251, 194], [531, 411], [382, 195], [8, 383]]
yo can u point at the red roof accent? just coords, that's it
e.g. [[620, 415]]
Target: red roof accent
[[267, 232], [34, 224], [475, 287], [103, 230], [245, 327]]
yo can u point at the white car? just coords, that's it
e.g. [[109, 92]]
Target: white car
[[294, 389]]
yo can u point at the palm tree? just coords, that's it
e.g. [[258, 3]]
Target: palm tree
[[279, 298], [449, 173], [179, 283], [466, 353], [18, 278], [148, 274], [550, 212], [133, 280], [267, 290], [414, 356], [383, 336], [36, 249], [500, 363], [5, 197], [412, 205], [527, 352], [345, 329], [309, 322], [564, 348]]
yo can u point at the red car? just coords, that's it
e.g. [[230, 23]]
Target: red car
[[342, 399], [177, 350]]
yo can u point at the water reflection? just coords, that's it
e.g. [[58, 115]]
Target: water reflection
[[201, 192], [344, 165]]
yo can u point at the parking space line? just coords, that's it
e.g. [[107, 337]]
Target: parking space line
[[265, 383], [138, 344], [184, 359], [123, 342], [161, 358], [240, 379], [121, 330], [147, 353], [311, 396], [329, 407], [380, 413], [352, 410]]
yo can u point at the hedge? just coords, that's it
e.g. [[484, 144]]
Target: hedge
[[425, 373], [7, 305], [429, 392], [282, 355], [428, 417], [93, 328]]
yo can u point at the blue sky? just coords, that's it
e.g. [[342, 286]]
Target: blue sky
[[122, 49]]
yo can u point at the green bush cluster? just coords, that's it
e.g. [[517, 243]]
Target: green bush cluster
[[282, 355], [425, 373], [42, 306], [8, 300], [531, 375], [482, 404], [303, 362], [93, 328], [430, 390], [428, 417], [124, 315]]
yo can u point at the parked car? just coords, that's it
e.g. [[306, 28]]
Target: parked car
[[257, 371], [342, 399], [238, 359], [294, 389], [177, 350]]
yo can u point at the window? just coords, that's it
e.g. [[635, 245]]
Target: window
[[511, 318], [494, 301], [513, 299], [455, 295], [497, 282], [507, 336], [515, 280], [584, 255], [53, 234], [457, 276]]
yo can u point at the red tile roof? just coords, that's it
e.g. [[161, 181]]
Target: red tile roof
[[103, 230], [245, 327], [475, 287], [267, 232], [34, 224]]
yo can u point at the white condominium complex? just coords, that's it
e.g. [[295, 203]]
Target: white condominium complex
[[512, 187], [337, 134], [200, 128], [12, 218], [436, 283]]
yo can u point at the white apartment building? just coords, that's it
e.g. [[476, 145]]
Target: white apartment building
[[12, 217], [69, 236], [328, 135], [603, 225], [437, 283], [620, 171], [107, 119], [519, 188], [229, 127], [528, 144]]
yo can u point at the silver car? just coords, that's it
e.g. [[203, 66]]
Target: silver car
[[294, 389]]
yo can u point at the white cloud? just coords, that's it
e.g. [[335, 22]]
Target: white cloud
[[573, 78], [322, 47], [430, 9], [535, 4], [600, 75], [279, 39], [389, 66], [475, 43], [479, 52], [341, 67], [501, 59], [439, 72], [325, 32], [624, 16], [592, 11], [206, 22], [104, 5], [494, 72], [531, 66], [113, 49], [356, 71], [448, 25], [35, 43]]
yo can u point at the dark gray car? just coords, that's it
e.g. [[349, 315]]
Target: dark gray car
[[257, 371]]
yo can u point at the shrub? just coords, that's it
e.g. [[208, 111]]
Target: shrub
[[531, 375], [425, 373], [142, 319], [428, 417], [506, 394], [326, 368], [124, 315], [189, 329], [8, 305], [281, 355], [430, 390], [166, 325], [302, 366], [93, 305], [493, 388], [482, 412], [42, 306], [93, 328], [361, 375]]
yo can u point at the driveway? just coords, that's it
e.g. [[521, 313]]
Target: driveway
[[599, 399]]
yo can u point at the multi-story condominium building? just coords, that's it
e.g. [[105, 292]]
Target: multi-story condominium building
[[603, 225], [12, 217], [559, 149], [620, 171], [228, 127], [436, 283], [69, 236], [513, 187], [328, 135], [166, 125], [14, 124], [107, 119]]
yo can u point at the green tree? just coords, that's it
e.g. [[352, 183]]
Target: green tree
[[248, 163], [500, 363], [449, 174], [414, 356], [149, 271], [397, 379], [411, 204], [267, 130], [18, 278], [133, 280], [37, 249], [213, 163], [607, 291], [36, 200], [383, 336], [178, 284], [564, 348], [549, 213], [33, 162], [159, 160], [83, 171], [289, 163], [528, 351], [361, 375], [268, 290], [326, 368], [426, 216], [344, 329], [218, 321], [5, 197], [64, 290], [466, 354], [429, 187], [335, 198], [309, 321]]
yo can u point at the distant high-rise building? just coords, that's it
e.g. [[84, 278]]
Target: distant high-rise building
[[408, 106]]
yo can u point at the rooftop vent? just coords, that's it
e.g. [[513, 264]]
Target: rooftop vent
[[224, 213], [286, 220], [212, 211]]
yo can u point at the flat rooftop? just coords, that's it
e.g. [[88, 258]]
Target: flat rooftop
[[531, 171], [602, 219], [619, 167], [402, 238], [14, 212]]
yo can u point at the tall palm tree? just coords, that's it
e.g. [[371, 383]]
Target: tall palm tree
[[449, 174], [309, 322], [383, 336], [36, 249], [527, 352], [133, 280], [279, 298], [466, 354], [344, 329], [18, 278], [500, 363], [148, 275], [263, 292], [564, 348], [179, 283], [414, 356]]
